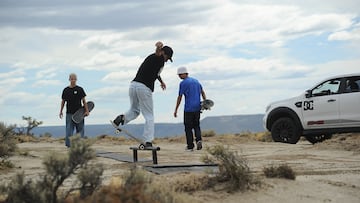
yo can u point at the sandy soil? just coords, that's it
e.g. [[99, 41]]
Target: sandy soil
[[325, 172]]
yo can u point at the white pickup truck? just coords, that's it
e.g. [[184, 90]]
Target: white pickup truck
[[331, 106]]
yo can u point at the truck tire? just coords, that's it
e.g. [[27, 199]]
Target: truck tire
[[318, 138], [285, 130]]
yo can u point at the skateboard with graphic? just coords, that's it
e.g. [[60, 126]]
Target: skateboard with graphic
[[78, 116], [141, 146], [206, 105]]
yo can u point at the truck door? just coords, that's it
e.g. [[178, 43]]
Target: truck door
[[321, 109], [350, 103]]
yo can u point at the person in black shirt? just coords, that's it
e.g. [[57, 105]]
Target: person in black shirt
[[73, 95], [141, 89]]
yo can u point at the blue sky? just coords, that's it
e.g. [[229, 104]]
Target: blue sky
[[246, 54]]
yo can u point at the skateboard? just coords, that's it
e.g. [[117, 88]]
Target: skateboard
[[118, 130], [78, 116], [206, 104]]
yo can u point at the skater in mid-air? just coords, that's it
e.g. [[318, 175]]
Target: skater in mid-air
[[141, 89]]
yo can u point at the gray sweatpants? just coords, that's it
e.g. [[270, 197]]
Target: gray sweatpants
[[141, 101]]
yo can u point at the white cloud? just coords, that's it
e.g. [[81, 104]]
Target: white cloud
[[6, 88], [254, 23], [110, 42], [109, 61], [235, 67], [47, 83], [23, 98], [120, 76], [337, 67], [11, 82], [352, 35], [109, 93], [11, 74], [46, 73]]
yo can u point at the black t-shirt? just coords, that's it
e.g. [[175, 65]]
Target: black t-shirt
[[73, 97], [150, 70]]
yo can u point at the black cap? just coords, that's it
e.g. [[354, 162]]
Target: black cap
[[168, 51]]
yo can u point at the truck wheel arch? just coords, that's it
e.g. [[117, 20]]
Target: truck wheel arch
[[280, 113]]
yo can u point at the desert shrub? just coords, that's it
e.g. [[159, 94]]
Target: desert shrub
[[31, 124], [136, 183], [233, 168], [114, 139], [7, 144], [282, 171], [263, 137], [136, 186], [191, 182], [260, 136], [6, 164], [244, 134], [25, 138], [208, 133], [177, 139], [89, 179], [58, 168], [20, 190], [46, 135], [136, 177]]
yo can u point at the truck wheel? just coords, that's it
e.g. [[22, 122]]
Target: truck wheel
[[317, 138], [284, 130]]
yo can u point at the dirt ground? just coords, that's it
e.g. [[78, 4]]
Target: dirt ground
[[325, 172]]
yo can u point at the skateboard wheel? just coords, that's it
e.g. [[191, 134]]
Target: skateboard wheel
[[141, 146], [117, 131]]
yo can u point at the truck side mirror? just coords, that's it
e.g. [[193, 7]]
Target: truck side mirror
[[308, 94]]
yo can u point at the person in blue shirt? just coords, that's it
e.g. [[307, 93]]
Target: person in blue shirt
[[192, 91]]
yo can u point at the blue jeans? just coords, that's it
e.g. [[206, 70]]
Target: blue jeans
[[141, 101], [70, 126]]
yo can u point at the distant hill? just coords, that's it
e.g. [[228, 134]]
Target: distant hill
[[219, 124], [234, 124]]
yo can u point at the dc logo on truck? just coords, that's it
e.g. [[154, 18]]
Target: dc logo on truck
[[308, 105]]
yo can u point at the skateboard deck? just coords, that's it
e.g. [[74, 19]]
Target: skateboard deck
[[142, 146], [78, 116], [206, 104]]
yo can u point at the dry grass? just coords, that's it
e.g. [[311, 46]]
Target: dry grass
[[282, 171], [111, 139], [58, 168], [6, 165], [142, 187], [206, 135], [26, 138], [346, 141], [189, 182], [234, 170], [8, 146], [134, 186], [176, 139]]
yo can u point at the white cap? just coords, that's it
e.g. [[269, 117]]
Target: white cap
[[182, 70]]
